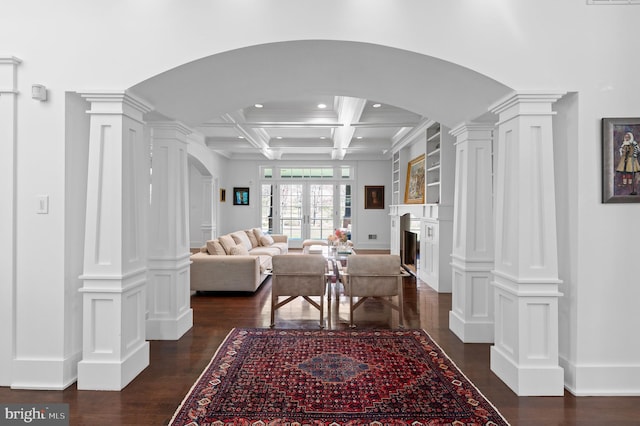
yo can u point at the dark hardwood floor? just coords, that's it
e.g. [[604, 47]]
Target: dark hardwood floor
[[154, 395]]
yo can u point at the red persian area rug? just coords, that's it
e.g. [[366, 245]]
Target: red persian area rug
[[264, 376]]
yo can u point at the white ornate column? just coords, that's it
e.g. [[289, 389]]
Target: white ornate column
[[168, 302], [8, 135], [115, 259], [525, 353], [471, 316]]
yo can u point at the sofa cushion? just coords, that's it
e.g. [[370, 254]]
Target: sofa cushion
[[239, 250], [227, 243], [240, 237], [214, 247], [252, 238], [283, 247], [266, 240], [258, 233], [265, 251]]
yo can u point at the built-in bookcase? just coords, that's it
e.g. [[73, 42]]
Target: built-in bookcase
[[395, 179], [432, 165]]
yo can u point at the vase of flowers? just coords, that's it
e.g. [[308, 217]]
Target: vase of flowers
[[338, 240]]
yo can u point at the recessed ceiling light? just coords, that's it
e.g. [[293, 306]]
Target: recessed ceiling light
[[278, 137], [322, 106], [377, 105], [240, 137], [258, 105], [323, 137], [358, 137]]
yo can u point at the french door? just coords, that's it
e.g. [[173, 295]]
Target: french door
[[306, 210]]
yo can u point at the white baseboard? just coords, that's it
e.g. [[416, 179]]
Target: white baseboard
[[45, 374], [601, 379]]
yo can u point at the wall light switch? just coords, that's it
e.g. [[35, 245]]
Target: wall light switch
[[43, 204]]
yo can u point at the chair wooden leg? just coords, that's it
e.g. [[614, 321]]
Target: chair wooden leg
[[321, 312], [273, 311], [351, 311], [400, 304]]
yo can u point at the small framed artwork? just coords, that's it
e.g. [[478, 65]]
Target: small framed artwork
[[240, 196], [620, 156], [223, 195], [415, 185], [374, 197]]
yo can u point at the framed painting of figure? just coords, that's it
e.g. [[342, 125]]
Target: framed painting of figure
[[620, 160], [415, 185], [374, 197]]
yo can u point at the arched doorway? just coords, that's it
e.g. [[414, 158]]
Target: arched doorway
[[195, 92]]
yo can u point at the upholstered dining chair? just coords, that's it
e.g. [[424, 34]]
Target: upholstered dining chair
[[298, 276], [374, 276]]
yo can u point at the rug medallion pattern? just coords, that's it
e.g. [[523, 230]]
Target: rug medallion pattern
[[333, 377]]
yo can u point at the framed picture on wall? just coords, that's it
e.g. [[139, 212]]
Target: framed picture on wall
[[374, 197], [223, 195], [415, 184], [240, 196], [620, 160]]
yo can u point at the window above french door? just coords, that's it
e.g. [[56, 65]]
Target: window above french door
[[305, 203]]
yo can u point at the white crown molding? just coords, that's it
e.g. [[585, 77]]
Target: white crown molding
[[407, 138], [539, 102]]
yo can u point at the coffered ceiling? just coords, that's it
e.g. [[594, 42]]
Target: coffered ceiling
[[316, 127]]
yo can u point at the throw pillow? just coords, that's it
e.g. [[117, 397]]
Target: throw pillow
[[266, 240], [227, 242], [239, 250], [214, 247], [240, 237], [252, 238], [258, 233]]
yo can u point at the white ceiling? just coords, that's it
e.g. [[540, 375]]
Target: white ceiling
[[346, 128]]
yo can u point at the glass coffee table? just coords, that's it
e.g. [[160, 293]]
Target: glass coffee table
[[336, 263]]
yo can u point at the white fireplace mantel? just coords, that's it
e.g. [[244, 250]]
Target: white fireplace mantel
[[419, 211]]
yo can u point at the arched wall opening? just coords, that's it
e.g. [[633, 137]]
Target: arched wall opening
[[209, 87], [203, 204]]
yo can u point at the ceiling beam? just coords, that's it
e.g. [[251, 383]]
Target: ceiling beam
[[255, 136], [349, 111]]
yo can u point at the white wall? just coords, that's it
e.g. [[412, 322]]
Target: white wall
[[196, 207], [204, 163], [372, 221], [543, 45], [365, 222], [77, 154]]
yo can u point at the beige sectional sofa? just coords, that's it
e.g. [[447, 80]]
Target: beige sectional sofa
[[236, 262]]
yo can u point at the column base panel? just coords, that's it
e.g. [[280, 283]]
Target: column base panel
[[112, 375], [45, 374], [527, 381], [471, 332], [169, 329]]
